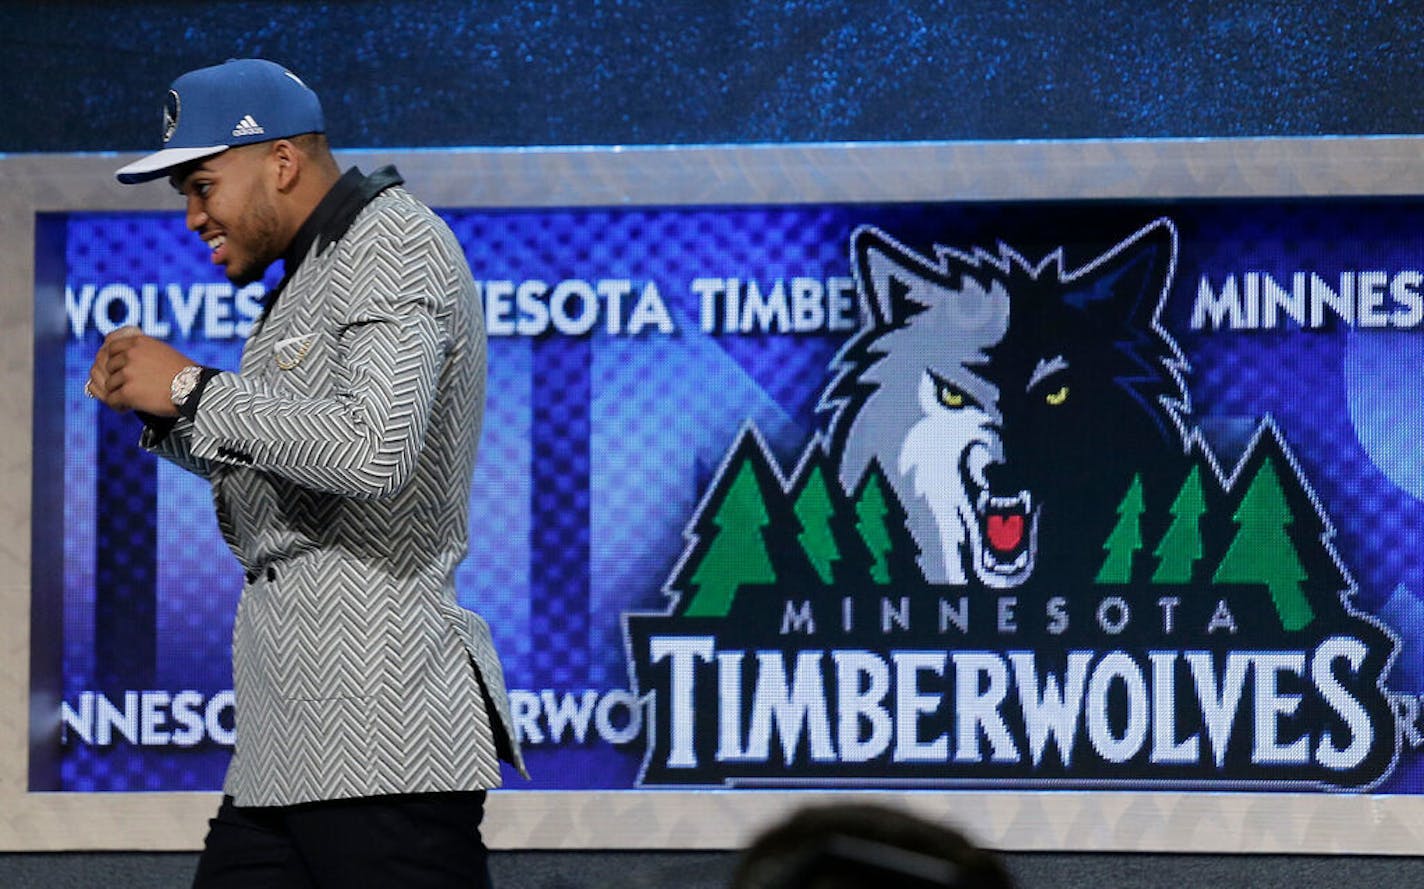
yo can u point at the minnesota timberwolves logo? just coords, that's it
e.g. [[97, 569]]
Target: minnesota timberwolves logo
[[1010, 555], [999, 399]]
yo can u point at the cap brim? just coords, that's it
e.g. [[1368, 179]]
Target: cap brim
[[158, 164]]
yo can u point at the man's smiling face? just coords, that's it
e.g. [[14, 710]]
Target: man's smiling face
[[230, 206]]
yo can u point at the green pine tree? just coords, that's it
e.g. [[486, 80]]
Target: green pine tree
[[870, 512], [1126, 537], [1181, 545], [737, 554], [1262, 552], [815, 510]]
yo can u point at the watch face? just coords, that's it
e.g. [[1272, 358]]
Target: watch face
[[183, 384]]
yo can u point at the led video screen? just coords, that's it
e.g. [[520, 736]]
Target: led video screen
[[1003, 497]]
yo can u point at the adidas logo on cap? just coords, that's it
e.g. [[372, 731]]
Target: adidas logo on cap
[[248, 127]]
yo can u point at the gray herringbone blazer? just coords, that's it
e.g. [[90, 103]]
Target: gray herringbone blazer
[[340, 459]]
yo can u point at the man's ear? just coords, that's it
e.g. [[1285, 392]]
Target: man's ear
[[287, 161]]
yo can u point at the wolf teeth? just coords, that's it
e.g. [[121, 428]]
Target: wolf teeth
[[1022, 502], [994, 565]]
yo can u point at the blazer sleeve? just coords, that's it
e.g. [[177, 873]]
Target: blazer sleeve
[[362, 437], [175, 445]]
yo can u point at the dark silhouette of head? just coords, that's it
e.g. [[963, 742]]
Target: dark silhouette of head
[[865, 846]]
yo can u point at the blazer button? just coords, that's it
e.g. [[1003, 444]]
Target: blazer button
[[251, 576], [271, 574]]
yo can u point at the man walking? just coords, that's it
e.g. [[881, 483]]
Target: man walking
[[371, 708]]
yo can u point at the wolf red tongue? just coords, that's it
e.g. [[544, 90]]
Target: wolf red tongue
[[1005, 531]]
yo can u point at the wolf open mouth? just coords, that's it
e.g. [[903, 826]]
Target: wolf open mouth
[[1007, 529]]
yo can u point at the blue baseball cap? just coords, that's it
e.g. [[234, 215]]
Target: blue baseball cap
[[239, 102]]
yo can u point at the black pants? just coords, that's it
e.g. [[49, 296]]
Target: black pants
[[410, 841]]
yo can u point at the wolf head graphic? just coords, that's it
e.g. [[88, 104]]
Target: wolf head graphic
[[1001, 398]]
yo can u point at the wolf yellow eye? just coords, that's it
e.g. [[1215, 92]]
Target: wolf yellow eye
[[950, 395], [1058, 397]]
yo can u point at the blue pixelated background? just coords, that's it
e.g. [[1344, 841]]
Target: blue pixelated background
[[596, 447], [424, 73]]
